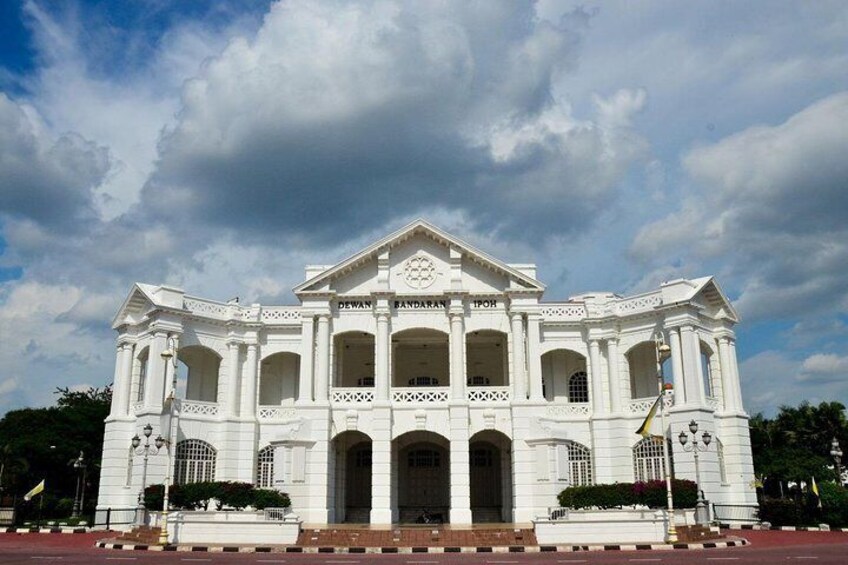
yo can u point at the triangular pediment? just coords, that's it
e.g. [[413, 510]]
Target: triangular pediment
[[137, 304], [420, 259], [703, 292]]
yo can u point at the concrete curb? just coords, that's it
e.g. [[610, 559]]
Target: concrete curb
[[66, 530], [758, 527], [487, 549]]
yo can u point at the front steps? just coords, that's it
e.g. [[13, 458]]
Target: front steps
[[141, 535]]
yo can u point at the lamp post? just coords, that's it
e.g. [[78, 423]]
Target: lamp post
[[663, 352], [145, 450], [170, 358], [695, 447], [79, 496], [836, 453]]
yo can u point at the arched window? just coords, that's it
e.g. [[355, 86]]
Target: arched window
[[265, 467], [648, 460], [722, 467], [578, 387], [142, 375], [194, 462], [424, 458], [580, 462]]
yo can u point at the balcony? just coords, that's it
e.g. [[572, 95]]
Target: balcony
[[197, 409]]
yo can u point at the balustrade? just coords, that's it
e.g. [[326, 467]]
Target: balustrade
[[197, 408]]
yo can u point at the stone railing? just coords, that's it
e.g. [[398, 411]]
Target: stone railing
[[642, 405], [275, 413], [636, 304], [208, 308], [569, 410], [198, 408], [420, 395], [281, 315], [488, 394], [563, 312], [351, 395]]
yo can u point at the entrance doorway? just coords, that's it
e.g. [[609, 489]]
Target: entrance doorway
[[352, 452], [490, 473], [423, 477]]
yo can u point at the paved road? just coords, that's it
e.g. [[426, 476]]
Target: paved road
[[767, 548]]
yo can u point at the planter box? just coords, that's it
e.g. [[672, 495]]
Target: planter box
[[608, 527], [222, 528]]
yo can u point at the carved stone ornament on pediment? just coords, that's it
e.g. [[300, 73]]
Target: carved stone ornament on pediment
[[419, 272]]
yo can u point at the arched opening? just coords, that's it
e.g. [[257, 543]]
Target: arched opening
[[563, 376], [486, 358], [649, 460], [265, 467], [642, 366], [420, 358], [490, 460], [279, 379], [202, 366], [354, 359], [140, 370], [709, 370], [352, 478], [423, 476]]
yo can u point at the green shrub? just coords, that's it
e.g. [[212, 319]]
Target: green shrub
[[784, 512], [834, 500], [264, 498], [153, 496], [651, 494], [235, 495]]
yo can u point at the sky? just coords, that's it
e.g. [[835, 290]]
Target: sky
[[220, 146]]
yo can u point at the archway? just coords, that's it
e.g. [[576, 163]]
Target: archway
[[486, 358], [202, 366], [564, 377], [353, 360], [420, 358], [279, 379], [352, 481], [423, 476], [490, 473]]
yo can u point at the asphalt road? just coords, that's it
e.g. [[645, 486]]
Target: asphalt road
[[768, 548]]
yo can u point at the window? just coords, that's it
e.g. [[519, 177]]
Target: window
[[722, 467], [265, 468], [578, 387], [648, 460], [194, 462], [363, 458], [478, 381], [481, 457], [423, 381], [579, 463], [424, 458], [365, 381]]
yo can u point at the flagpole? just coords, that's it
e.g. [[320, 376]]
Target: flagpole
[[662, 352], [40, 506]]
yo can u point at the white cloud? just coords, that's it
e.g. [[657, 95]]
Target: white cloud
[[824, 367]]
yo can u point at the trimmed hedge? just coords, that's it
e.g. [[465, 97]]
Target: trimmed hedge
[[226, 494], [802, 509], [618, 495]]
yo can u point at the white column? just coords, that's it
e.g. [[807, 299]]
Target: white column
[[614, 379], [118, 383], [307, 347], [460, 467], [154, 393], [322, 364], [736, 383], [457, 364], [381, 479], [124, 405], [248, 397], [677, 367], [534, 360], [232, 379], [599, 405], [518, 374], [692, 366], [724, 362], [381, 358]]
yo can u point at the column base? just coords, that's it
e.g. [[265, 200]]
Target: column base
[[460, 516], [381, 517]]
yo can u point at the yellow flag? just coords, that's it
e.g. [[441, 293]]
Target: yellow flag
[[36, 490], [645, 429], [815, 488]]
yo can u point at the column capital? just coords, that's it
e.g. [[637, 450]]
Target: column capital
[[513, 315], [382, 315], [233, 342]]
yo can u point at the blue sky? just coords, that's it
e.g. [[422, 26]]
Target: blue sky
[[221, 146]]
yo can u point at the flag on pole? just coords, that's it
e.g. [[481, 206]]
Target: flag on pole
[[815, 489], [645, 429], [36, 490]]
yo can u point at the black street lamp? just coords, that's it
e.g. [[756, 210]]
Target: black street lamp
[[79, 496], [695, 447], [145, 450]]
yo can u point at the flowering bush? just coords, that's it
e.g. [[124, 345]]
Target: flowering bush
[[618, 495]]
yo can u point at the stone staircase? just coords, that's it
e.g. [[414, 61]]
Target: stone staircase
[[141, 535], [416, 536]]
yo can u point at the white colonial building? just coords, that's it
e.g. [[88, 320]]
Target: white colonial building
[[423, 374]]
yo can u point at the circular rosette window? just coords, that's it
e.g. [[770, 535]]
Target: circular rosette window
[[419, 272]]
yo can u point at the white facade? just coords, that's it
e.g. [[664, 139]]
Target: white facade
[[422, 374]]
